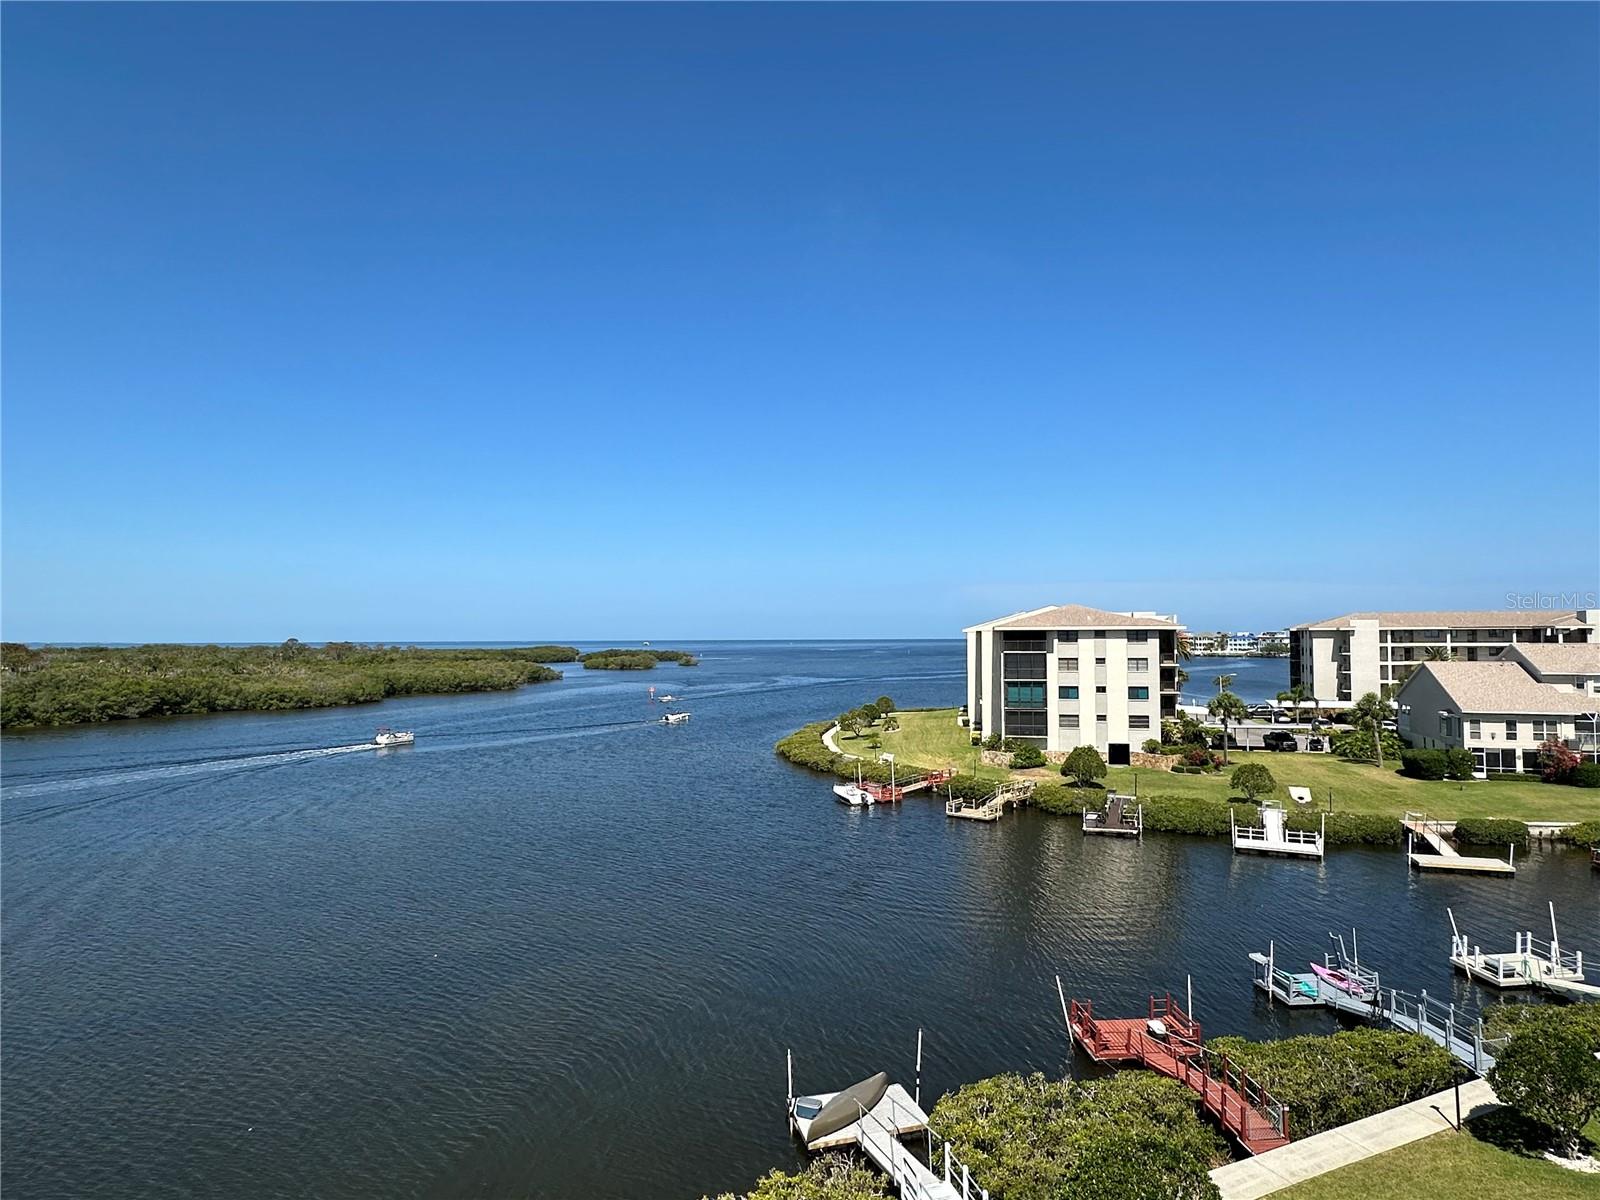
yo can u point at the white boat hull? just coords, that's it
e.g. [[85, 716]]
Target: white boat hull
[[850, 794]]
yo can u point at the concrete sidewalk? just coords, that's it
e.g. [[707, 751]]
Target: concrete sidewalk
[[1324, 1152], [827, 740]]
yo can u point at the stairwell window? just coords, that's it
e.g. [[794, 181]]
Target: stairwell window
[[1138, 693], [1139, 722], [1068, 720], [1136, 665], [1067, 692], [1138, 635]]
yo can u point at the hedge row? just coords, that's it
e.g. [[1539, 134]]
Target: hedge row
[[1328, 1081], [1490, 831]]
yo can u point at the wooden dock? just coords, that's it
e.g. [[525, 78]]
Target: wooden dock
[[991, 807], [1168, 1041], [1123, 816], [1445, 857]]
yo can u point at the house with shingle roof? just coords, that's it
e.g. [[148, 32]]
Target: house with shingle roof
[[1068, 675], [1500, 710], [1341, 659]]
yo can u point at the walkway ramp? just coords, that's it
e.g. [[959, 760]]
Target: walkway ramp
[[1169, 1042], [1445, 857]]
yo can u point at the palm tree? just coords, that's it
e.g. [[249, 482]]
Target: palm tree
[[1185, 645], [1439, 654], [1223, 682], [1297, 695], [1227, 707], [1372, 711]]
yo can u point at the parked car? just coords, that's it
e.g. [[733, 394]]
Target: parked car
[[1283, 718], [1233, 742], [1260, 710], [1279, 739], [1314, 744]]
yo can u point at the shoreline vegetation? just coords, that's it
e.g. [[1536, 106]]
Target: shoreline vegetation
[[1367, 801], [634, 660], [53, 686]]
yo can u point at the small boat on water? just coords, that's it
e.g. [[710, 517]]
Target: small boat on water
[[665, 699], [1342, 980], [677, 718], [393, 737], [854, 794]]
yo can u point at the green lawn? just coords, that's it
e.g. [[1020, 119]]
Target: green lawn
[[933, 739], [1447, 1166]]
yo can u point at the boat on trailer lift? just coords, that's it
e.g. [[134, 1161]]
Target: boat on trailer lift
[[854, 794]]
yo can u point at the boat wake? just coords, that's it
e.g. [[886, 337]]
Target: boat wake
[[205, 766]]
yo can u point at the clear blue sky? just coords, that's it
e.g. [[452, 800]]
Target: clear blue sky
[[417, 322]]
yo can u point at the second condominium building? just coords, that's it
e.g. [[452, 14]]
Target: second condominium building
[[1343, 658], [1069, 676]]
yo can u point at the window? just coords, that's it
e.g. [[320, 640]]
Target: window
[[1139, 722], [1022, 641], [1024, 695], [1025, 666], [1138, 693], [1138, 635], [1099, 662], [1543, 731], [1068, 720], [1067, 635], [1101, 690], [1067, 664], [1067, 693], [1101, 718], [1475, 729], [1511, 731], [1025, 724], [1138, 664]]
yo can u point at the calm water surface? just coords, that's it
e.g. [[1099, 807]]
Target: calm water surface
[[556, 951]]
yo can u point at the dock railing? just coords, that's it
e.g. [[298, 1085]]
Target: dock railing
[[912, 1178], [1440, 1022], [1290, 837]]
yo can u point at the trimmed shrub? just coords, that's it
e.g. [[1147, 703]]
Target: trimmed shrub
[[1424, 764], [1585, 833], [1253, 780], [1153, 746], [1084, 765], [1186, 814], [1490, 831], [1585, 775], [1352, 829], [1330, 1081], [830, 1177], [1121, 1137], [1060, 800], [992, 742], [1458, 763], [1025, 755]]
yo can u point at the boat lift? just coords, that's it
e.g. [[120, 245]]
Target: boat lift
[[875, 1115], [1533, 963]]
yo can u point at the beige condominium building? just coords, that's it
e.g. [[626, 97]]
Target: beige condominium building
[[1069, 676], [1505, 709], [1343, 658]]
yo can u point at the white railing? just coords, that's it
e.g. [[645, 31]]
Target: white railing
[[1292, 837], [911, 1177]]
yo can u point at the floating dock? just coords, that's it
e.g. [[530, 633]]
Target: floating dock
[[877, 1131], [1168, 1041], [993, 806], [1440, 1023], [1123, 816], [1533, 963], [1445, 857], [1273, 836]]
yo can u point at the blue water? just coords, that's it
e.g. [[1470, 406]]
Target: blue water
[[1254, 679], [558, 950]]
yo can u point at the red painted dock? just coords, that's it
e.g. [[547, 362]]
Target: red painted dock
[[888, 793], [1240, 1105]]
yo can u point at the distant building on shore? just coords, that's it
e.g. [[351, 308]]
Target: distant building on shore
[[1344, 658], [1239, 644], [1069, 676]]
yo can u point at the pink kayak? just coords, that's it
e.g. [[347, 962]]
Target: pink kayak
[[1339, 979]]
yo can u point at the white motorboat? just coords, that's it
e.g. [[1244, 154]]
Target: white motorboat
[[853, 794], [392, 737], [665, 699], [677, 718]]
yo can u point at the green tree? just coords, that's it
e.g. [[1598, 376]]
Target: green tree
[[884, 704], [1084, 765], [1296, 696], [1550, 1075], [850, 722], [1438, 654], [869, 713], [1253, 780], [1226, 707], [830, 1177], [1223, 682], [891, 723], [1370, 712]]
